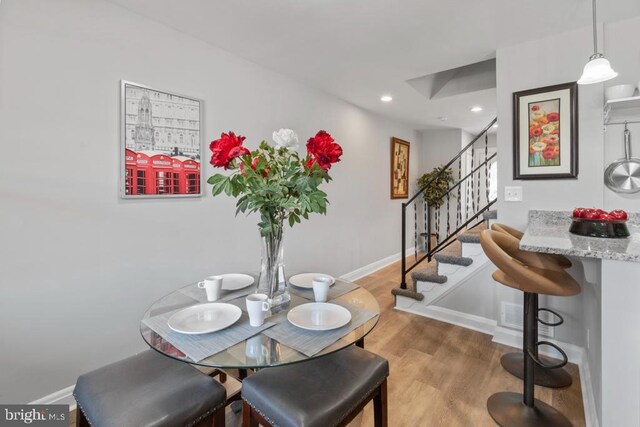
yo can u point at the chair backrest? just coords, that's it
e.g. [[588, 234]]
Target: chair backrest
[[548, 261], [527, 269], [509, 230]]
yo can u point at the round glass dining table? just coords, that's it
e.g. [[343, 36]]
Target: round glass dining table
[[257, 351]]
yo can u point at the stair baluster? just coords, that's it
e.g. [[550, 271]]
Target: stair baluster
[[472, 209]]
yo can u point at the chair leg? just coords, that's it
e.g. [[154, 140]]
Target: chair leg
[[218, 417], [380, 406], [247, 416], [81, 420]]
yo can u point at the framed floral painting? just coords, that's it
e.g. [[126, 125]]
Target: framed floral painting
[[399, 169], [546, 132]]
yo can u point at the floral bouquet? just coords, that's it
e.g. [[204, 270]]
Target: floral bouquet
[[544, 134], [279, 184]]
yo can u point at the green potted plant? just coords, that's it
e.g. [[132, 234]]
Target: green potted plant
[[442, 179]]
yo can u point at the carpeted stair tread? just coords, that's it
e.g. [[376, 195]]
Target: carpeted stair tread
[[428, 273], [407, 293], [493, 214], [453, 259], [469, 238]]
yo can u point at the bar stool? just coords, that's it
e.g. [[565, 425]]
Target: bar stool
[[522, 409], [514, 362], [328, 391], [149, 389]]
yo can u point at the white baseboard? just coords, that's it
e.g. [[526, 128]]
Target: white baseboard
[[513, 338], [373, 267], [465, 320], [60, 397]]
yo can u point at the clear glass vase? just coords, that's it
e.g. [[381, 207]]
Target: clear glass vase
[[272, 281]]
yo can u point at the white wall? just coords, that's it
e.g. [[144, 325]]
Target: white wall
[[80, 266], [439, 147], [625, 58]]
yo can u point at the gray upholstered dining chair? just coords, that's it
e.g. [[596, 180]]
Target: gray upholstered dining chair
[[324, 392], [149, 389]]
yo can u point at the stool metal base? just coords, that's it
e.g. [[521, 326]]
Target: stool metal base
[[552, 378], [508, 410]]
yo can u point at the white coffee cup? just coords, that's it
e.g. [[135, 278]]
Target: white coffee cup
[[321, 288], [213, 286], [257, 306]]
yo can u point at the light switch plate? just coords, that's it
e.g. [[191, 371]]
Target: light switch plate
[[512, 194]]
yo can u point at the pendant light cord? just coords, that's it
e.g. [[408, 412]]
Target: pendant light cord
[[595, 30]]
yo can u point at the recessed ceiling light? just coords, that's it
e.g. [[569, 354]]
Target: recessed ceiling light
[[495, 125], [386, 98], [443, 118], [476, 109]]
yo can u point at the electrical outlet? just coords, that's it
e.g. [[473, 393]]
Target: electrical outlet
[[512, 194]]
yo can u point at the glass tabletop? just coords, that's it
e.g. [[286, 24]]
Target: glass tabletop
[[258, 351]]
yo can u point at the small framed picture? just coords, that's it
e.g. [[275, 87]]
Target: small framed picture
[[160, 143], [399, 169], [545, 124]]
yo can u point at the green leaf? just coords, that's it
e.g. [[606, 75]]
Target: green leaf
[[218, 183]]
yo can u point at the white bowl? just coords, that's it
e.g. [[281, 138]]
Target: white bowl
[[619, 91]]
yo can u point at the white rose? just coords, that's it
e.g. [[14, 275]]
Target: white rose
[[286, 138]]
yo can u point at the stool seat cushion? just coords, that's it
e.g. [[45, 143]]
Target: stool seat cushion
[[147, 389], [318, 393]]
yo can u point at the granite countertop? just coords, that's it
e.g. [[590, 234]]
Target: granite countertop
[[548, 232]]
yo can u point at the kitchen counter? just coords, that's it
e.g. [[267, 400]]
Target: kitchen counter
[[548, 232], [609, 273]]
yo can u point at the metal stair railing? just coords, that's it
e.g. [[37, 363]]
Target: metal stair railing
[[432, 215]]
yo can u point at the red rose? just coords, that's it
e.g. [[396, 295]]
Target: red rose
[[553, 117], [322, 149], [226, 148]]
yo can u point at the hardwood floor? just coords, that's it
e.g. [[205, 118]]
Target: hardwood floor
[[441, 374]]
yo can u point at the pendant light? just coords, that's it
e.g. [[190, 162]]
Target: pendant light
[[598, 69]]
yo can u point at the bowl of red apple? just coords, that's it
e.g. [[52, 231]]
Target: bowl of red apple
[[599, 223]]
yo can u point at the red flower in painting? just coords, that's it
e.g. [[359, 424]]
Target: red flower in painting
[[535, 108], [535, 131], [226, 148], [322, 149], [549, 154], [553, 117]]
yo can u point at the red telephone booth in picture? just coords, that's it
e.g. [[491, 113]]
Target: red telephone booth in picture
[[178, 175], [143, 181], [130, 172], [192, 176], [162, 168], [189, 177]]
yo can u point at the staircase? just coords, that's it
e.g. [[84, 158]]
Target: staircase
[[446, 231]]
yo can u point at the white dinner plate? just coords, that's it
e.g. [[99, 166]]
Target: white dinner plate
[[233, 282], [304, 280], [319, 316], [204, 318]]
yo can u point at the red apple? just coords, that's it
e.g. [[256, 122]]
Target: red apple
[[605, 217], [590, 214], [618, 214]]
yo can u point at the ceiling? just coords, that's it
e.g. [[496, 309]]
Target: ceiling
[[360, 50]]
